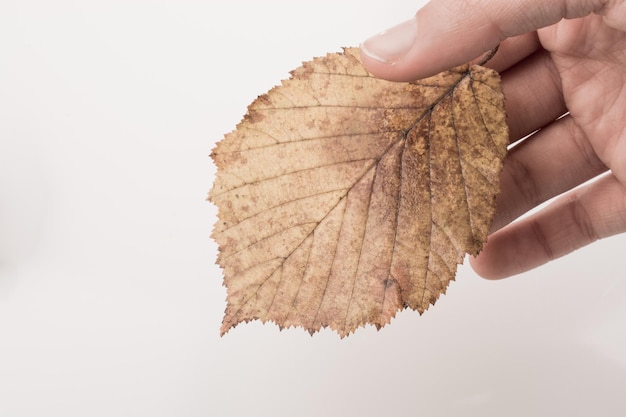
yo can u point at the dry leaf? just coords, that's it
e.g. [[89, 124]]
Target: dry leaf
[[344, 198]]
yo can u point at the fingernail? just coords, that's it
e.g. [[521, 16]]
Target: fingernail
[[392, 44]]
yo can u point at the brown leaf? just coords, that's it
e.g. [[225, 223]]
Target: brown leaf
[[344, 198]]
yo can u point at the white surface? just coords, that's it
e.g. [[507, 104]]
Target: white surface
[[110, 301]]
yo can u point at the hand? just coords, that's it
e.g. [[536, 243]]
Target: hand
[[551, 67]]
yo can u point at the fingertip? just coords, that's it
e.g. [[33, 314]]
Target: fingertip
[[436, 39], [385, 70], [392, 44], [385, 54], [485, 268]]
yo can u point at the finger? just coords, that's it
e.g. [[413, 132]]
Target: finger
[[574, 220], [512, 51], [444, 33], [534, 96], [554, 160], [614, 15]]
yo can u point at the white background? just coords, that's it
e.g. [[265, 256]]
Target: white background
[[110, 301]]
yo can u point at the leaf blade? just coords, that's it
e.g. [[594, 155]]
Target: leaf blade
[[350, 198]]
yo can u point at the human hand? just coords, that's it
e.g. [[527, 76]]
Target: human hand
[[550, 67]]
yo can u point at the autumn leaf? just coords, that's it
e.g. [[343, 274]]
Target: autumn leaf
[[344, 198]]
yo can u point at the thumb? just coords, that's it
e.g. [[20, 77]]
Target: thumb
[[444, 33]]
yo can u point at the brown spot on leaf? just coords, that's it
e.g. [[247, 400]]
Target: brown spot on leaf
[[254, 117]]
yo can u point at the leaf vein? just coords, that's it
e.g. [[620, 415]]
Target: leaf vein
[[341, 135], [460, 159], [482, 116], [284, 174], [280, 205], [332, 264], [264, 238], [400, 174], [356, 270], [430, 192]]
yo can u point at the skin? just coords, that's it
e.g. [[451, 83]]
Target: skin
[[550, 67]]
